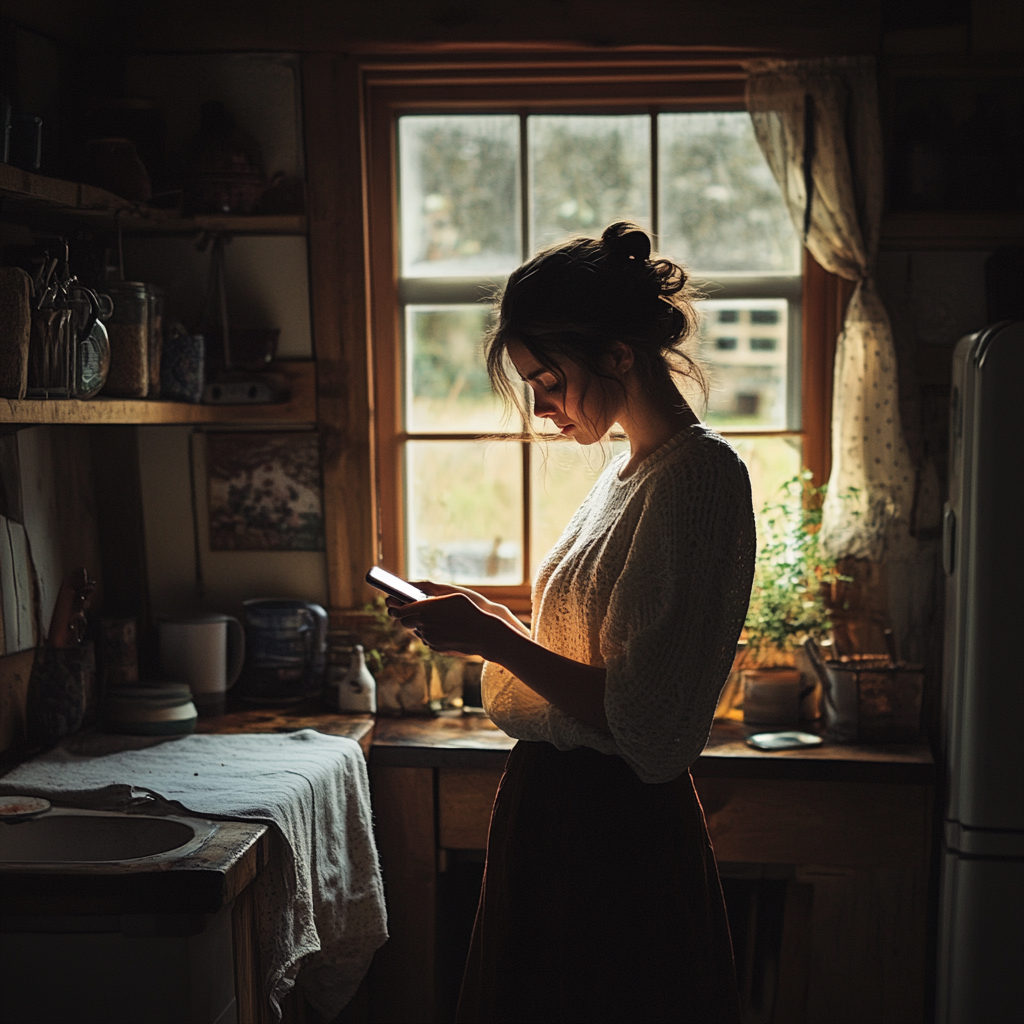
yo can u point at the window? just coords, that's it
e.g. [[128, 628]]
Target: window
[[466, 496]]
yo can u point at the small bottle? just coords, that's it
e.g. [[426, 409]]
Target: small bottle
[[357, 691]]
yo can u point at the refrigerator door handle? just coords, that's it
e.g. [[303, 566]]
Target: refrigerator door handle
[[948, 539]]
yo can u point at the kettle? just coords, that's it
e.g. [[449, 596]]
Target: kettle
[[285, 651]]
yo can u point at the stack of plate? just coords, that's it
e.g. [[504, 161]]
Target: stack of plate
[[156, 709]]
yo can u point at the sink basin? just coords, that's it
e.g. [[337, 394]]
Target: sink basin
[[84, 837]]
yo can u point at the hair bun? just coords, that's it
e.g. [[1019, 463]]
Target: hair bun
[[623, 240]]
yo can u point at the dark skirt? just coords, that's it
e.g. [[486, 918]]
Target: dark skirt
[[601, 900]]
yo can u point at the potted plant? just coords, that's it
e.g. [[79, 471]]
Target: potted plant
[[787, 604], [411, 679]]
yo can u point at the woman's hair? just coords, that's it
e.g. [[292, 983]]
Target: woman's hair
[[576, 299]]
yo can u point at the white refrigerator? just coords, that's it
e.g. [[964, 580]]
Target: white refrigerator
[[980, 969]]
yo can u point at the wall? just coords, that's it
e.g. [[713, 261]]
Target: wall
[[933, 299], [267, 286], [48, 517], [175, 565], [267, 283], [47, 528], [261, 90]]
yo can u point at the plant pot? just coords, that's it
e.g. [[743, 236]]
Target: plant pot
[[771, 696], [402, 686]]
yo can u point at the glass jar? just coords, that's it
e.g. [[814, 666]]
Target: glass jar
[[128, 328]]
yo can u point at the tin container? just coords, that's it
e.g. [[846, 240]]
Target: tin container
[[182, 365]]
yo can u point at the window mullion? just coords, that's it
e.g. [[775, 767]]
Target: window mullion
[[524, 188], [527, 505], [655, 218]]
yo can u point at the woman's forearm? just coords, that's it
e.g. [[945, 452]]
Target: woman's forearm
[[573, 687]]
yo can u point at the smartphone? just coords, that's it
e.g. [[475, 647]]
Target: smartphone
[[394, 585]]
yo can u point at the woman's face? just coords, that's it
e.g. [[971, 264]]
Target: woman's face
[[584, 408]]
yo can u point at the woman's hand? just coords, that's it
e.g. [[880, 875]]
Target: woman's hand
[[450, 621], [454, 620], [491, 607]]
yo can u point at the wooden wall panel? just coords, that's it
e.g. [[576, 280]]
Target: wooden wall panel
[[339, 294]]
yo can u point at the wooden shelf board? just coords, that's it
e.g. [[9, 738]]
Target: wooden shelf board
[[951, 230], [158, 222], [82, 200], [300, 408]]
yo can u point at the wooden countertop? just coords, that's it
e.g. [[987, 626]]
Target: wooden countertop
[[470, 741], [197, 883], [454, 740], [291, 718]]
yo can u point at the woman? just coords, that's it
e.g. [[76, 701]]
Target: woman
[[601, 899]]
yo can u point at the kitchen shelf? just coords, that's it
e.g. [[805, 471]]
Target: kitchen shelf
[[300, 407], [70, 197], [161, 222], [951, 230]]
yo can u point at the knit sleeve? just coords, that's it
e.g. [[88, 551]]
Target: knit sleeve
[[676, 611]]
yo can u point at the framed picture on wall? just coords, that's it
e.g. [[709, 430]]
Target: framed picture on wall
[[265, 491]]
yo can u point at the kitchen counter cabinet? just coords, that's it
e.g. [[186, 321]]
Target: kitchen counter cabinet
[[290, 718], [202, 882], [188, 895], [216, 876], [848, 826]]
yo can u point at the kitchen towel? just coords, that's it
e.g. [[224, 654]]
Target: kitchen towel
[[320, 901]]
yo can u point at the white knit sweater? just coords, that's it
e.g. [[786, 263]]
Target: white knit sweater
[[651, 580]]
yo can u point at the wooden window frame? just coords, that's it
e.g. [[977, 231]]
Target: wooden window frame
[[571, 84]]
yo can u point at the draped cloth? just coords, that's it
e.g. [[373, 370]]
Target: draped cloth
[[817, 123]]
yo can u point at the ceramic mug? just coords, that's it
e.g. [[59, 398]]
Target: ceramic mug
[[207, 653]]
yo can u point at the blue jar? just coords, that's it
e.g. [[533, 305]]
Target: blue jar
[[285, 651]]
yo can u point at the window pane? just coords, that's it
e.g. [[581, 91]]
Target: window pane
[[464, 511], [771, 461], [743, 347], [585, 172], [562, 472], [447, 389], [720, 207], [459, 194]]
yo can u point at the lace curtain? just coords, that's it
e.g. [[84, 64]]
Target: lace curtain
[[817, 124]]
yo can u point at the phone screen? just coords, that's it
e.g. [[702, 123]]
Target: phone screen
[[394, 585]]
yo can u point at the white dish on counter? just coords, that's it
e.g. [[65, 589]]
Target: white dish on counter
[[21, 808]]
